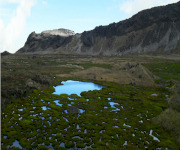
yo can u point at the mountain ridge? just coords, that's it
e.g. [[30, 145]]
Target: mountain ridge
[[155, 30]]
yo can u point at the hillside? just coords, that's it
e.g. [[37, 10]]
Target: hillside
[[151, 31]]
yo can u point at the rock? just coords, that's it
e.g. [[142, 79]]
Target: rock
[[5, 53], [136, 35], [73, 109], [154, 94], [60, 32]]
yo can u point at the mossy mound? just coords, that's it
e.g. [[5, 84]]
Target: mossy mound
[[175, 89], [174, 102], [98, 125]]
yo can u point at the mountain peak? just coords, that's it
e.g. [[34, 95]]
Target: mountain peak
[[60, 32]]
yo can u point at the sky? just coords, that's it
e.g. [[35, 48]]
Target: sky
[[18, 18]]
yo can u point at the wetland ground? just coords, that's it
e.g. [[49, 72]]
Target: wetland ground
[[122, 115]]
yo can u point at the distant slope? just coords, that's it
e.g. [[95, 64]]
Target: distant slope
[[155, 30], [5, 53]]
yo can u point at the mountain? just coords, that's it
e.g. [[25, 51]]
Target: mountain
[[151, 31]]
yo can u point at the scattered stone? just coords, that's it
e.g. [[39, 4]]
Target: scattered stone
[[154, 94], [73, 109]]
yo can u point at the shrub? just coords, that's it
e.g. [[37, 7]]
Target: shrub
[[69, 144], [174, 102], [80, 145], [169, 120], [42, 147], [23, 142]]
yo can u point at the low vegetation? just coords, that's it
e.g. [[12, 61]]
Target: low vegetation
[[142, 117]]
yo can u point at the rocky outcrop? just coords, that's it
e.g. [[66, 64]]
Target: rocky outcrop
[[5, 53], [73, 109], [47, 41], [155, 31], [60, 32]]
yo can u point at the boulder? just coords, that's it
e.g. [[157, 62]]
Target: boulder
[[73, 109]]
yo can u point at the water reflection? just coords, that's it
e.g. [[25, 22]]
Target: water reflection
[[75, 87], [57, 103], [16, 144]]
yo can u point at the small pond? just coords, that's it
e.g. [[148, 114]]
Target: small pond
[[75, 87]]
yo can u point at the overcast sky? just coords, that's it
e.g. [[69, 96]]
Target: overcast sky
[[18, 18]]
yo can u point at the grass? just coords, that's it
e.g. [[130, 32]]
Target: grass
[[167, 70], [89, 65]]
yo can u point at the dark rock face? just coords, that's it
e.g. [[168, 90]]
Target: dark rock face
[[5, 53], [44, 42], [73, 109], [155, 31]]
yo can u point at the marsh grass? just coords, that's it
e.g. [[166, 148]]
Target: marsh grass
[[93, 122], [137, 104], [166, 70], [169, 120]]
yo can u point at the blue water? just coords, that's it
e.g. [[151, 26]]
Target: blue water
[[75, 87]]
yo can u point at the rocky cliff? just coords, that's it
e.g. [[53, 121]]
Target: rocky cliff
[[155, 31]]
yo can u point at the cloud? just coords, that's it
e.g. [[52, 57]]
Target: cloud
[[12, 33], [44, 2], [131, 7], [5, 12]]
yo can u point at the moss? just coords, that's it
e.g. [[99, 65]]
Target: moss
[[69, 144], [47, 142], [57, 147], [42, 147], [81, 99], [137, 97], [23, 142], [101, 143], [94, 146], [80, 145], [16, 148]]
